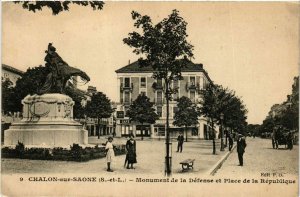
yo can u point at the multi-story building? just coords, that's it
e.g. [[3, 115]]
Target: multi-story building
[[11, 73], [134, 80]]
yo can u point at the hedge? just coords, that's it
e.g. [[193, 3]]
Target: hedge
[[76, 153]]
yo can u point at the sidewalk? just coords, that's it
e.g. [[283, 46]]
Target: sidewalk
[[260, 157], [150, 157]]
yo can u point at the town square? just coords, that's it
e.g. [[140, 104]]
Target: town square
[[141, 92]]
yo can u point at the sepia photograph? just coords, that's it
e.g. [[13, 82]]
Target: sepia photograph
[[150, 98]]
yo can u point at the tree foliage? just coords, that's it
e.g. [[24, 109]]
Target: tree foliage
[[141, 110], [187, 113], [217, 100], [58, 6], [99, 106], [78, 109], [164, 45], [7, 91], [30, 83], [285, 114]]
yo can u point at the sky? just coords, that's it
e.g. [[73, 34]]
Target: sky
[[249, 47]]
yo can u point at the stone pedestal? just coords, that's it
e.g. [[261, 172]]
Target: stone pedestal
[[47, 121]]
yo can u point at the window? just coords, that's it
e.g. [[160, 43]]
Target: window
[[159, 83], [159, 97], [159, 111], [127, 97], [175, 86], [175, 109], [192, 95], [201, 83], [127, 82], [194, 132], [125, 110], [192, 81], [121, 97], [143, 82]]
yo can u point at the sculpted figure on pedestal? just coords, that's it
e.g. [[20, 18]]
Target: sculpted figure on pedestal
[[60, 73]]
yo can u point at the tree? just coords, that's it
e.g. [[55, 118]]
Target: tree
[[285, 114], [58, 6], [7, 91], [209, 108], [78, 109], [217, 100], [166, 50], [142, 111], [99, 107], [186, 115], [30, 83]]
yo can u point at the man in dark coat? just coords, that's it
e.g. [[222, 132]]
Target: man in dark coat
[[180, 140], [241, 145]]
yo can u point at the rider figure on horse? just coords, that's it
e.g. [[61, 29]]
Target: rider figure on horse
[[60, 72]]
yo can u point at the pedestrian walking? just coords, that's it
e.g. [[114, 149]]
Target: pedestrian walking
[[230, 141], [241, 145], [131, 152], [110, 154], [180, 140]]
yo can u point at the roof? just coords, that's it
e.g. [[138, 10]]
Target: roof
[[136, 68], [12, 69]]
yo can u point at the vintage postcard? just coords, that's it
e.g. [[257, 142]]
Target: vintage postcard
[[149, 98]]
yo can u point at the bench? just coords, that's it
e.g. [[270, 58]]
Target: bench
[[187, 164]]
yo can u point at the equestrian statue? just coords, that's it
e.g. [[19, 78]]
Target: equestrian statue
[[60, 74]]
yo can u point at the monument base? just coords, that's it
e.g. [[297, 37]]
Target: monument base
[[47, 121]]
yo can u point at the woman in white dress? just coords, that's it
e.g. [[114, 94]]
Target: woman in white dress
[[110, 154]]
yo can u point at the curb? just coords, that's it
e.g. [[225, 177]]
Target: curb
[[218, 165]]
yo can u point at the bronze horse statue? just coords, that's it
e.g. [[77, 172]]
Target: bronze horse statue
[[60, 74]]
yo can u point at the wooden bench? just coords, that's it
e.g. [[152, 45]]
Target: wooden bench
[[187, 164]]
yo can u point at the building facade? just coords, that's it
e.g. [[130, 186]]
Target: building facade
[[11, 73], [134, 80]]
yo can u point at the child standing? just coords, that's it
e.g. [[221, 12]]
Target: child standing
[[110, 154]]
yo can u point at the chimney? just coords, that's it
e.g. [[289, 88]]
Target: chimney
[[91, 90], [128, 62]]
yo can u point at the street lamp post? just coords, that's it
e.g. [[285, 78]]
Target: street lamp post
[[222, 132]]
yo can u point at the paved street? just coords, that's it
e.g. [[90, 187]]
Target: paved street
[[261, 157], [150, 157]]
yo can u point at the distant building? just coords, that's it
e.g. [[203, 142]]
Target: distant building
[[107, 125], [11, 73], [134, 80]]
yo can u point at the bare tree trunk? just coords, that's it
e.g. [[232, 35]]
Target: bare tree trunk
[[99, 128], [214, 142], [186, 133], [142, 130], [168, 159]]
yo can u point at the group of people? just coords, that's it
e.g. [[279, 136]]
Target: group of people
[[241, 145], [130, 158]]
